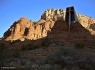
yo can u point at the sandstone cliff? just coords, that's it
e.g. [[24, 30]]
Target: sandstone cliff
[[25, 29], [53, 22], [53, 15]]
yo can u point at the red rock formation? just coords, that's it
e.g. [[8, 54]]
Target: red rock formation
[[54, 29], [18, 29], [23, 28]]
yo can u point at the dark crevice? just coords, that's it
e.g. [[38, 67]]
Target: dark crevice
[[26, 31]]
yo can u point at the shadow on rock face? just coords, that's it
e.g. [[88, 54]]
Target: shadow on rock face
[[92, 26]]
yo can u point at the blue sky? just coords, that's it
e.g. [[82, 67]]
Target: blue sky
[[13, 10]]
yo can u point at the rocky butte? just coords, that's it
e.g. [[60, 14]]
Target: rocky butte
[[52, 25]]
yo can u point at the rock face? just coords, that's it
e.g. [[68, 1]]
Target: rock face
[[87, 22], [53, 22], [18, 29], [53, 15], [25, 29]]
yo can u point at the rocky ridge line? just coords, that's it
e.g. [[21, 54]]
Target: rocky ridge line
[[26, 29]]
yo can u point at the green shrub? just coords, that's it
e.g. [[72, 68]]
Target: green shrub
[[57, 67], [26, 47], [65, 51], [58, 56], [2, 47], [79, 45], [59, 43], [54, 59], [45, 67], [23, 48], [34, 24], [34, 46], [46, 42], [29, 47], [15, 52], [4, 52], [61, 48]]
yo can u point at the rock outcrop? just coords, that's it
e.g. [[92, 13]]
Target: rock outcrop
[[87, 22], [53, 15], [26, 29]]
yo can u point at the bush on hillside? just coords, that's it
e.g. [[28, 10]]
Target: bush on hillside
[[15, 52], [79, 45], [29, 47], [59, 43], [4, 54], [2, 47], [59, 57], [46, 42]]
